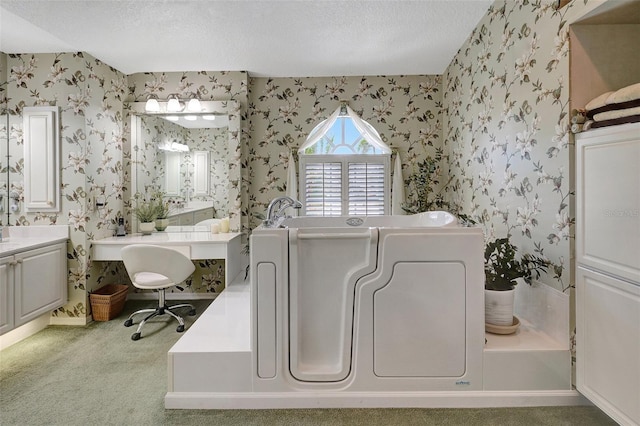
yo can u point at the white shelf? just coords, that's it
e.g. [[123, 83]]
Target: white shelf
[[526, 338]]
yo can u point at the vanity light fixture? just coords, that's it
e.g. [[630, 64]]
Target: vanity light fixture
[[209, 117], [180, 147], [173, 147], [174, 104], [152, 104], [194, 105]]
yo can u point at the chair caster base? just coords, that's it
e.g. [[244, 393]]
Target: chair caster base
[[180, 328], [128, 323], [135, 336]]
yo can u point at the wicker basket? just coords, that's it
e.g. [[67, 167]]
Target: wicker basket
[[107, 302]]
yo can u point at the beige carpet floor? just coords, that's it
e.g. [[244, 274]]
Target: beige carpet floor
[[96, 375]]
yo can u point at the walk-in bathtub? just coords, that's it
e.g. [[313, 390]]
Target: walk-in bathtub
[[367, 304]]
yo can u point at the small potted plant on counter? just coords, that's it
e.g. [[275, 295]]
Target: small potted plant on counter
[[145, 212], [163, 210], [502, 272]]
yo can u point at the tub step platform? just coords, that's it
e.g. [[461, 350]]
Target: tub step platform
[[215, 352]]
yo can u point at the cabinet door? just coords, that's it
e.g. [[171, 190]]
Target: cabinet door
[[186, 219], [40, 282], [201, 173], [41, 155], [608, 200], [172, 173], [608, 344], [201, 215], [6, 294]]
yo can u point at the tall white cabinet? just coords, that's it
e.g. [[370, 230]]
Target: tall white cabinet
[[608, 270], [603, 52]]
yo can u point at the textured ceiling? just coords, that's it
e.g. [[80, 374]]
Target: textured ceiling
[[274, 38]]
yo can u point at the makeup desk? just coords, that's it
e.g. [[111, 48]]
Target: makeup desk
[[189, 240]]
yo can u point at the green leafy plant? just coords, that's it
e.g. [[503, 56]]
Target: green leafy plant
[[421, 183], [163, 208], [145, 211], [502, 268]]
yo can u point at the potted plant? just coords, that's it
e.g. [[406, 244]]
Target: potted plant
[[502, 270], [145, 212], [163, 209], [421, 184]]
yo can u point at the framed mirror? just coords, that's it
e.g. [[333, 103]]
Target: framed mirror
[[192, 158], [4, 168]]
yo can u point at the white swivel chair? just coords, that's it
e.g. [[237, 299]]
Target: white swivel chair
[[208, 222], [156, 268]]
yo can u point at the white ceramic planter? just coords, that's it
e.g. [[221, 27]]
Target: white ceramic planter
[[146, 228], [161, 224], [498, 307]]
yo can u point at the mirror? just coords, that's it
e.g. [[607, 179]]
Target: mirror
[[4, 168], [11, 168], [195, 162]]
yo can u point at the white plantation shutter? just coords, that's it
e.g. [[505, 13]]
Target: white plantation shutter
[[322, 189], [366, 190], [338, 185]]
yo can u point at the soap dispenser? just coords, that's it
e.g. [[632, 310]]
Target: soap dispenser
[[120, 232]]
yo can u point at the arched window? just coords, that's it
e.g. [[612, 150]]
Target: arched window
[[344, 168]]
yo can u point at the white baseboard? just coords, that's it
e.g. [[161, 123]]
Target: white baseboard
[[80, 321], [471, 399], [29, 329]]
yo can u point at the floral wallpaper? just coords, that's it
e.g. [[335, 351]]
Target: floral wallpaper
[[405, 110], [149, 165], [506, 136], [90, 95], [495, 125]]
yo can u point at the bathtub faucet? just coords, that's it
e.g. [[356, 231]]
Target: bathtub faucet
[[275, 211]]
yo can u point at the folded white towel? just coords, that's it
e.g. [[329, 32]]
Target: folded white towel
[[619, 113], [629, 93], [598, 102]]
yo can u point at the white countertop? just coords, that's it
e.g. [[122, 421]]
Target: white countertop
[[170, 238], [21, 238]]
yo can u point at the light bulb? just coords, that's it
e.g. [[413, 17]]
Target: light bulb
[[194, 105], [152, 105], [190, 117], [209, 117], [173, 105], [172, 117]]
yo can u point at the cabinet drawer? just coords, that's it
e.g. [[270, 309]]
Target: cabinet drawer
[[607, 344], [186, 219], [201, 215]]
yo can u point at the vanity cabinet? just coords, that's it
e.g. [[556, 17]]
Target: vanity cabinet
[[191, 218], [32, 282], [6, 294], [200, 215]]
